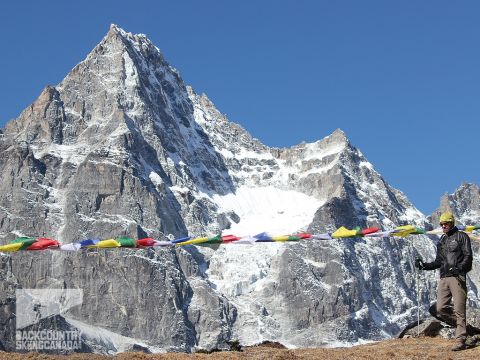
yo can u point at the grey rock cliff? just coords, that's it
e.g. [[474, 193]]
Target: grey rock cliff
[[8, 284]]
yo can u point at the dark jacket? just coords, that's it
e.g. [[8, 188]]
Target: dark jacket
[[454, 254]]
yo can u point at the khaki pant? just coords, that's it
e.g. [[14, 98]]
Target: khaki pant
[[448, 288]]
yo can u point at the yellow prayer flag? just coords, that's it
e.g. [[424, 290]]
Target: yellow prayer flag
[[404, 230], [343, 232], [280, 238], [109, 243], [11, 247]]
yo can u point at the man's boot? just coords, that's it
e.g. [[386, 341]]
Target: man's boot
[[459, 345]]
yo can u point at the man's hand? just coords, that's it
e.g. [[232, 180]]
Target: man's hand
[[454, 271], [419, 264]]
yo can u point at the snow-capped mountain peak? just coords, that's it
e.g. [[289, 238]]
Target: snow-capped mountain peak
[[123, 147]]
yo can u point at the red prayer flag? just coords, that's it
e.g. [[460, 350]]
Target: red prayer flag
[[370, 230], [230, 238], [44, 243], [303, 236], [145, 242]]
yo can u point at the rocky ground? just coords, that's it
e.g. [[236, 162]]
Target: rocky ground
[[410, 348]]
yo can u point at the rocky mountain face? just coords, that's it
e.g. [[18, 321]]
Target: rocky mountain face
[[8, 284], [464, 203], [123, 147]]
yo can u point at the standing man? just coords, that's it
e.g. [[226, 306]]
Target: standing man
[[454, 259]]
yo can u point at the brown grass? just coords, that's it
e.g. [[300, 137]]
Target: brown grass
[[421, 349]]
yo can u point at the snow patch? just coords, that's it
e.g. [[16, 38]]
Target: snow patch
[[116, 341], [315, 150], [155, 178], [268, 209]]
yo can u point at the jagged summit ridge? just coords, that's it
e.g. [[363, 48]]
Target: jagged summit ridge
[[116, 30]]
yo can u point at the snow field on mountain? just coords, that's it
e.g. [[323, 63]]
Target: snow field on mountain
[[268, 209]]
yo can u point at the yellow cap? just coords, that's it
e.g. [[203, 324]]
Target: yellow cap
[[447, 217]]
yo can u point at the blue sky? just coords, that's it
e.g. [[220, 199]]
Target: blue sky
[[401, 78]]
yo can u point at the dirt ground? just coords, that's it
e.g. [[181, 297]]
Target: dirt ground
[[421, 349]]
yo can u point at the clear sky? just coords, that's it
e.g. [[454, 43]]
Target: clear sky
[[401, 78]]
